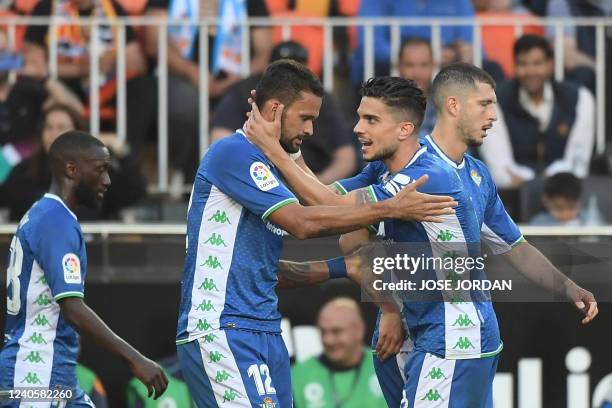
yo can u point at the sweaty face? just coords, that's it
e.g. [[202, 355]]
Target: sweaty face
[[563, 209], [298, 121], [93, 179], [477, 112], [341, 335], [533, 69], [416, 63], [377, 129], [56, 123]]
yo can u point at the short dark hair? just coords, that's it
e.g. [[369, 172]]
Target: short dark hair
[[407, 42], [564, 185], [77, 120], [284, 80], [528, 42], [458, 74], [397, 93], [70, 146], [289, 50]]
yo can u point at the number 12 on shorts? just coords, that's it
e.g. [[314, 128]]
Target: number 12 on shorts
[[257, 372]]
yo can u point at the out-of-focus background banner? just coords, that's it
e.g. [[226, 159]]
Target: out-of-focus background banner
[[160, 80]]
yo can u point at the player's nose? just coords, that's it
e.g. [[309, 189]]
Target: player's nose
[[493, 113], [106, 181], [308, 128], [357, 129]]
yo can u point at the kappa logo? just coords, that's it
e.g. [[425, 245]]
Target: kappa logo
[[72, 268], [263, 177]]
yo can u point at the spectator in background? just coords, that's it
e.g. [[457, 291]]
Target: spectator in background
[[456, 40], [311, 37], [73, 43], [31, 178], [544, 126], [416, 63], [21, 105], [562, 200], [343, 376], [330, 152], [183, 69], [498, 40], [578, 42]]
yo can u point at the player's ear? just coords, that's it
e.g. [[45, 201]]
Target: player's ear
[[452, 105], [71, 169], [269, 109], [407, 129]]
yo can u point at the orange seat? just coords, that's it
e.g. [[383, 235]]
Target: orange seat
[[311, 37], [498, 41]]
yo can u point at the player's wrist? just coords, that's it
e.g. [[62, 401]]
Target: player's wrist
[[385, 210], [337, 267], [131, 356], [353, 268], [570, 288], [389, 308], [277, 154]]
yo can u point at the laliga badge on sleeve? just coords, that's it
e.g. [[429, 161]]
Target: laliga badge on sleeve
[[72, 268], [262, 176]]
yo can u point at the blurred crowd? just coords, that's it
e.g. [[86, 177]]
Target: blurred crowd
[[542, 144]]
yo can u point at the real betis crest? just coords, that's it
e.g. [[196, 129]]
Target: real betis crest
[[477, 179]]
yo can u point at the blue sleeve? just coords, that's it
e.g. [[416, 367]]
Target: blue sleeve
[[242, 172], [61, 255], [499, 231], [368, 176], [439, 183]]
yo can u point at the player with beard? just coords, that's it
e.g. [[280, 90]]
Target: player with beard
[[45, 285], [228, 337], [456, 343]]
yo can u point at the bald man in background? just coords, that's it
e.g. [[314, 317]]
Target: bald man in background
[[343, 376]]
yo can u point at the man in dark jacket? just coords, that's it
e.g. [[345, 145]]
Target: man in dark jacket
[[545, 126]]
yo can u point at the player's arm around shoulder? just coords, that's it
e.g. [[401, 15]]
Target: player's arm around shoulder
[[407, 204]]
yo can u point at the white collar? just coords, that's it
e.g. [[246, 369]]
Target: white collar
[[547, 96], [419, 152], [443, 155], [57, 198], [243, 134]]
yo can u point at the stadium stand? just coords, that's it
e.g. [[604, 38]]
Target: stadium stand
[[160, 119]]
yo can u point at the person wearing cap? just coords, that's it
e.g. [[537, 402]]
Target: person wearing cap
[[330, 153]]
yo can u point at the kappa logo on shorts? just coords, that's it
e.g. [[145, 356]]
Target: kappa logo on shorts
[[72, 268], [263, 177]]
